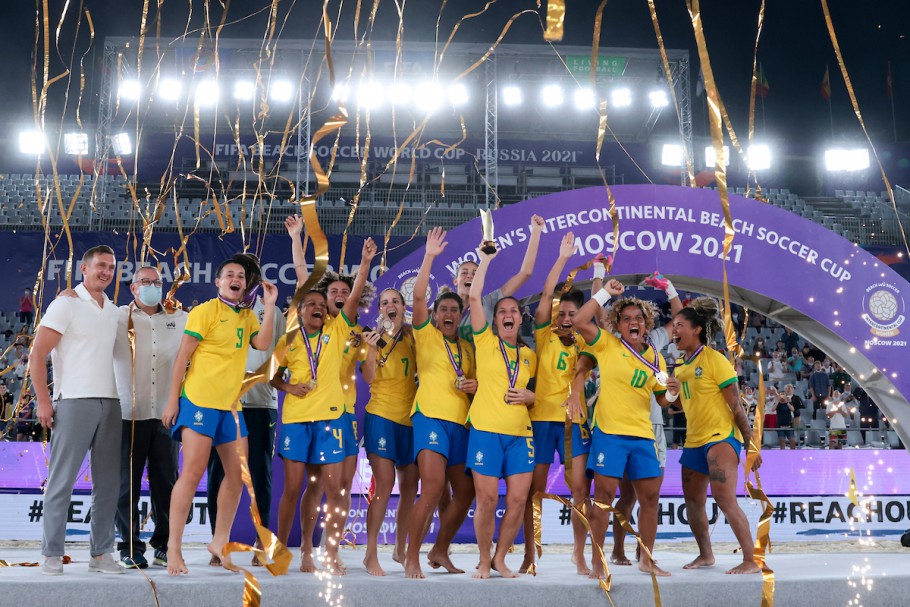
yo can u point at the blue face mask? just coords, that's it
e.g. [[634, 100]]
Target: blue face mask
[[150, 295]]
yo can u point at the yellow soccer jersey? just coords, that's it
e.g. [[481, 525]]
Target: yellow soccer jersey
[[327, 400], [218, 364], [708, 416], [555, 372], [354, 351], [437, 396], [393, 388], [489, 412], [626, 384]]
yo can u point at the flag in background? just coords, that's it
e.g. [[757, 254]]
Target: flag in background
[[889, 82], [825, 88], [763, 88]]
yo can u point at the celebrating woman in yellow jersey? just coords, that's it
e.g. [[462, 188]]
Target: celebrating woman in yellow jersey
[[558, 350], [717, 428], [337, 288], [501, 441], [389, 368], [446, 364], [313, 427], [216, 339], [623, 438]]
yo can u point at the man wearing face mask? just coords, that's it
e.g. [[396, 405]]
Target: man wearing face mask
[[145, 441]]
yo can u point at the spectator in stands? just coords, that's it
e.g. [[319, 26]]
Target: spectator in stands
[[827, 366], [808, 367], [790, 339], [869, 415], [840, 380], [795, 361], [678, 423], [760, 351], [837, 418], [756, 320], [780, 347], [736, 315], [819, 386], [527, 322], [27, 428], [776, 368], [785, 414], [27, 307], [21, 366], [7, 402], [8, 334], [794, 399], [24, 336], [814, 352], [749, 403], [287, 304], [193, 305]]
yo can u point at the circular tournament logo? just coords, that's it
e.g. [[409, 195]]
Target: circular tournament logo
[[883, 309], [407, 290]]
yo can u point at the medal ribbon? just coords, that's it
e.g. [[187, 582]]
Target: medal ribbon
[[234, 305], [397, 339], [689, 359], [513, 377], [455, 365], [314, 359], [655, 366]]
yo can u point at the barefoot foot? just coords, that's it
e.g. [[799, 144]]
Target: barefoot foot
[[652, 567], [224, 561], [215, 561], [482, 573], [412, 569], [701, 562], [503, 570], [620, 558], [306, 563], [745, 567], [597, 572], [525, 564], [581, 565], [439, 558], [371, 562], [175, 564]]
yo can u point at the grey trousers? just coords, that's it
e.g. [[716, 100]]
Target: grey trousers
[[83, 425]]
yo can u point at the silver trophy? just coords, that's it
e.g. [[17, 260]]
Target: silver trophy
[[489, 244]]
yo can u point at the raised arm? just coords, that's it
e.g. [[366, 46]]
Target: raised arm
[[575, 403], [350, 306], [294, 226], [582, 320], [527, 264], [545, 308], [263, 339], [478, 317], [436, 244]]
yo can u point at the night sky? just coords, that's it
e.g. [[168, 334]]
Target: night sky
[[794, 48]]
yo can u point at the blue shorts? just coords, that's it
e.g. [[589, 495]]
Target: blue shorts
[[320, 442], [216, 424], [696, 458], [446, 438], [499, 455], [616, 455], [385, 438], [549, 438], [351, 442]]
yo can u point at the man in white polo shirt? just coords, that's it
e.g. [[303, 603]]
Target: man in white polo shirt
[[79, 335], [146, 442]]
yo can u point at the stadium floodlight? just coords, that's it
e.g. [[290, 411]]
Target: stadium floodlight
[[130, 89], [711, 157], [458, 94], [671, 155], [281, 90], [121, 144], [840, 159], [341, 93], [207, 93], [169, 89], [584, 99], [400, 93], [75, 144], [511, 95], [244, 90], [759, 157], [551, 95], [369, 95], [659, 98], [32, 142], [428, 96], [621, 97]]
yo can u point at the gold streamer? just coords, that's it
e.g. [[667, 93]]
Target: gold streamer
[[763, 530], [606, 583], [852, 494], [556, 16], [752, 91], [859, 116]]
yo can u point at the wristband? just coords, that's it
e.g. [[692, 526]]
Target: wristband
[[670, 290], [599, 271], [671, 398], [602, 297]]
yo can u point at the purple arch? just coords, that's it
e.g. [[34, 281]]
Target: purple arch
[[827, 289]]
